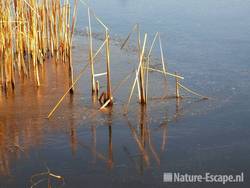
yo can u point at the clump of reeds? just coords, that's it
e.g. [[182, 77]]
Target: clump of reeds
[[105, 97], [30, 32], [142, 71]]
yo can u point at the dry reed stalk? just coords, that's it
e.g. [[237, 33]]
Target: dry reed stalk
[[137, 72], [2, 42], [43, 28], [74, 83], [29, 29], [136, 28], [34, 50], [19, 33], [109, 91], [71, 71], [107, 102], [141, 85], [167, 73], [109, 96], [91, 54], [192, 92], [67, 37], [177, 89], [116, 88], [51, 29], [55, 26], [140, 79], [93, 13], [9, 64], [64, 27], [148, 64], [147, 67]]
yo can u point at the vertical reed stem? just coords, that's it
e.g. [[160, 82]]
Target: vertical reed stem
[[177, 88], [91, 55], [109, 91]]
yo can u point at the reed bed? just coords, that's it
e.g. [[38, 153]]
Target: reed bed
[[30, 32]]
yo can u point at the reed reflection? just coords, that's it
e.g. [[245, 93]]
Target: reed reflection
[[4, 158], [110, 143], [94, 148], [164, 127], [178, 109], [16, 142], [144, 140], [73, 137]]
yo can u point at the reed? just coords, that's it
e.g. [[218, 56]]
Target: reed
[[106, 98], [137, 74], [177, 87], [192, 92], [140, 78], [142, 75], [71, 76], [91, 61], [30, 32], [109, 90]]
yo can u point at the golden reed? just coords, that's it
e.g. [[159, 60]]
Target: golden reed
[[30, 32]]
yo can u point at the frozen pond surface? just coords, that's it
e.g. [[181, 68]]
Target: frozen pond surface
[[208, 42]]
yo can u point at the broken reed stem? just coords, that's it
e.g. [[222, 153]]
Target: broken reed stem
[[139, 79], [192, 92], [74, 83], [167, 73], [141, 85], [177, 90], [148, 64], [62, 98], [93, 13], [137, 73], [137, 29], [115, 90], [108, 94]]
